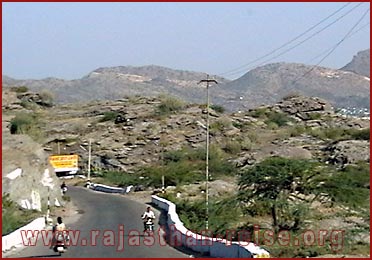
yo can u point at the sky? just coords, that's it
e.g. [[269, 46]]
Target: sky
[[69, 40]]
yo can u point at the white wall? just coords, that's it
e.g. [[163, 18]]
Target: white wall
[[196, 242]]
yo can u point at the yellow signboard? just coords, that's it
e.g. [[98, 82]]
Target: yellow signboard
[[64, 161]]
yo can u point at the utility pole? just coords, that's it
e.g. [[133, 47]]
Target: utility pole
[[89, 152], [207, 154]]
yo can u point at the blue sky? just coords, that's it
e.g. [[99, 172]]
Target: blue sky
[[69, 40]]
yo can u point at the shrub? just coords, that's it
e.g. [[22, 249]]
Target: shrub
[[338, 133], [19, 89], [245, 143], [173, 156], [297, 131], [109, 116], [232, 147], [218, 108], [363, 134], [258, 113], [28, 105], [13, 217], [47, 98], [278, 118], [169, 105], [22, 123], [220, 124], [272, 125], [121, 179], [187, 166], [315, 116]]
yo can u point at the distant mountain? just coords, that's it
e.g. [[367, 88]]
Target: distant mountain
[[360, 64], [8, 80], [263, 85], [270, 83], [117, 82]]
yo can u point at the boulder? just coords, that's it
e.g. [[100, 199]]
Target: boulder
[[28, 177], [349, 152], [304, 107]]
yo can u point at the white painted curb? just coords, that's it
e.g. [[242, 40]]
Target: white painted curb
[[199, 243]]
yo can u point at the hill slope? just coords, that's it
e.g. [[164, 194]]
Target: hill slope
[[263, 85], [360, 63], [269, 83], [115, 82]]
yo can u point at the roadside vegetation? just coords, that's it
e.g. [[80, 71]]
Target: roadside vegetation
[[13, 216], [180, 167], [278, 194]]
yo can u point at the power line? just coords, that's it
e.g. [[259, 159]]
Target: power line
[[334, 47], [288, 42], [239, 69], [327, 50]]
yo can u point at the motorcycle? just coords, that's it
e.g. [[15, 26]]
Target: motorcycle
[[60, 243], [64, 190], [149, 225]]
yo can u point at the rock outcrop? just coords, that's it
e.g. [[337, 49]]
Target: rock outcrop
[[26, 173], [349, 152]]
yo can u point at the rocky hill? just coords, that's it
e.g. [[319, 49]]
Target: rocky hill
[[130, 133], [135, 137], [115, 82], [270, 83], [360, 63], [264, 85], [26, 172]]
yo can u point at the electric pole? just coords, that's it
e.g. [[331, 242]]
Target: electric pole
[[207, 154], [89, 155]]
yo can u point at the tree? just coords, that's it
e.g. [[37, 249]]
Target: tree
[[283, 186], [349, 186]]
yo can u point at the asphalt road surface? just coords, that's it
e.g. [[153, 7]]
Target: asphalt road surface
[[109, 226]]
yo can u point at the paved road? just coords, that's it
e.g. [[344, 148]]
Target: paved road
[[116, 221]]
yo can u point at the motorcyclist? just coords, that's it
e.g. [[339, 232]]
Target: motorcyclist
[[59, 229], [64, 188], [60, 226], [148, 214]]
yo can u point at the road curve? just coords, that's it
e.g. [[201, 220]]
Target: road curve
[[109, 227]]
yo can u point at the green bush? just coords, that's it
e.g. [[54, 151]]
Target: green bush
[[13, 216], [187, 166], [272, 125], [258, 113], [280, 119], [338, 133], [232, 147], [220, 124], [297, 131], [246, 143], [19, 89], [218, 108], [23, 123], [362, 134], [109, 116], [120, 179], [173, 156], [315, 116], [169, 105], [28, 105]]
